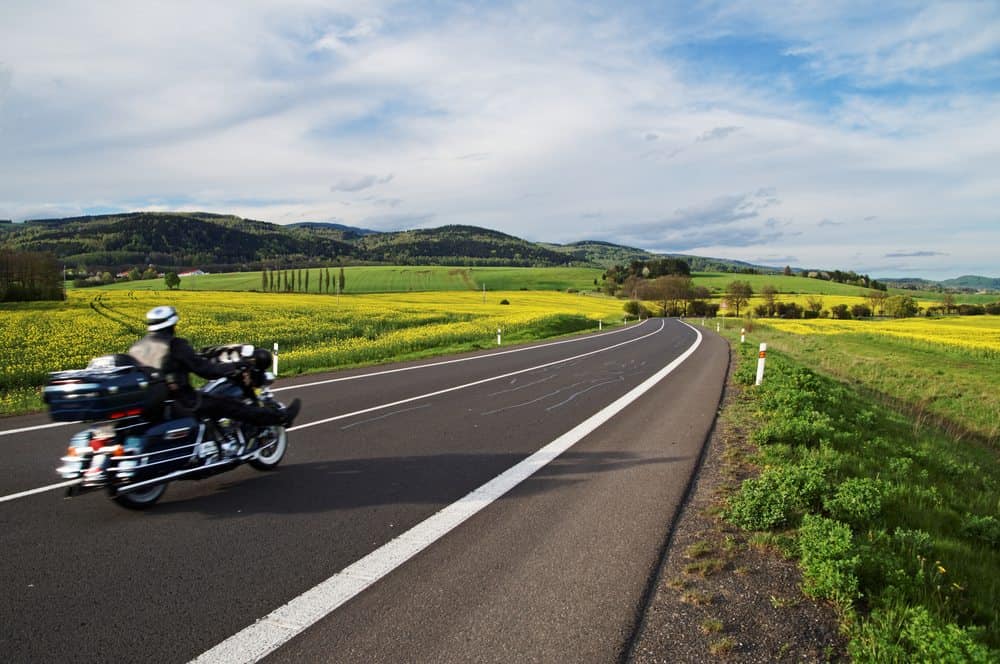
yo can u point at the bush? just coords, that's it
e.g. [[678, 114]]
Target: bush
[[985, 528], [970, 310], [504, 301], [993, 308], [829, 562], [861, 311], [633, 307], [788, 310], [857, 500], [778, 495], [840, 311]]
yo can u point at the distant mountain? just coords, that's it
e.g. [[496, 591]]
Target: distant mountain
[[457, 245], [166, 239], [607, 254], [973, 282], [965, 283]]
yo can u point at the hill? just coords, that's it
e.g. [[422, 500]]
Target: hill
[[221, 243], [607, 254], [217, 242]]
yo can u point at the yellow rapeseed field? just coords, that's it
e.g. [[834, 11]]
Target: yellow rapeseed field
[[974, 333], [313, 331]]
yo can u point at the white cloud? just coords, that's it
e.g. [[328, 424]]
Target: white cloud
[[526, 118]]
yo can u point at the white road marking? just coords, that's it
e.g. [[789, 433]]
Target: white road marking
[[43, 489], [284, 623], [473, 383], [394, 403], [460, 359], [10, 432]]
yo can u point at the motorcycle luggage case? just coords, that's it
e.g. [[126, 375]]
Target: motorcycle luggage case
[[111, 387]]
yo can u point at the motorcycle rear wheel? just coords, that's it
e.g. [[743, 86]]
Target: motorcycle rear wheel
[[272, 442], [140, 500]]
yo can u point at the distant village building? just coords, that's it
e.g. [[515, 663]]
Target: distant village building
[[192, 273]]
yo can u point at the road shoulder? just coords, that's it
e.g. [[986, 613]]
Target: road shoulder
[[717, 595]]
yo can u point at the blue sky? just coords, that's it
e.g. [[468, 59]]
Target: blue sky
[[847, 135]]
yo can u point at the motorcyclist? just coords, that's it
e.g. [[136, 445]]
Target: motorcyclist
[[174, 356]]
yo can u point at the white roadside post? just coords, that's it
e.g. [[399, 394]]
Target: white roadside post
[[718, 326], [761, 357], [499, 332], [600, 325], [743, 335], [274, 359]]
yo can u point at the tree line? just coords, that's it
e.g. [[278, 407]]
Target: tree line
[[28, 275], [297, 281]]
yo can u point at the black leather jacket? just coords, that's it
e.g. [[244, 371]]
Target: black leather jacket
[[175, 357]]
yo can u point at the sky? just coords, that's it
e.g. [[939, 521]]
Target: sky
[[835, 135]]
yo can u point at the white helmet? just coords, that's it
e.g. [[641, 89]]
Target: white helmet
[[161, 318]]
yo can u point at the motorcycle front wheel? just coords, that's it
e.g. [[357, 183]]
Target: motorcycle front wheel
[[140, 500], [271, 443]]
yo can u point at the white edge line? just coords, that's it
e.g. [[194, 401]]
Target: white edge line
[[43, 489], [10, 432], [284, 623]]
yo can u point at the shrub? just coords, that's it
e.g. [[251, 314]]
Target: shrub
[[861, 311], [504, 301], [856, 500], [829, 561], [993, 308], [778, 495], [985, 528], [633, 307], [840, 311], [970, 310]]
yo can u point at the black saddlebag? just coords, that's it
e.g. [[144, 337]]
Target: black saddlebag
[[112, 387]]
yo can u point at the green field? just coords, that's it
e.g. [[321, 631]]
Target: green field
[[880, 474], [717, 284], [396, 279]]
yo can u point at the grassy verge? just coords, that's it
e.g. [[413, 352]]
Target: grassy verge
[[893, 523]]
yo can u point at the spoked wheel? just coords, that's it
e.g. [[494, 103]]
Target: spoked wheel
[[140, 500], [271, 445]]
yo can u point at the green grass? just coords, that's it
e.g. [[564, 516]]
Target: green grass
[[395, 279], [803, 285], [960, 298], [893, 520], [956, 389]]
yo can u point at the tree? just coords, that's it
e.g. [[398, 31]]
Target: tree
[[814, 305], [263, 279], [948, 301], [901, 306], [150, 273], [172, 280], [770, 295], [787, 271], [674, 292], [134, 274], [737, 294], [877, 301], [307, 281], [340, 281]]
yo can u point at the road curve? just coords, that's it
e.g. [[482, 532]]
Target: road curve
[[554, 568]]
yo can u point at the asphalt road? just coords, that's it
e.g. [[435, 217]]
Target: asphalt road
[[366, 545]]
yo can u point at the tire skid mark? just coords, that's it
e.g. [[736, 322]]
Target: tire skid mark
[[382, 417]]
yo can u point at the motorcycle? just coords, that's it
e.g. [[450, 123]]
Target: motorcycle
[[140, 440]]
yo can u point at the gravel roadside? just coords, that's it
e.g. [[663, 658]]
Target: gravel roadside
[[718, 597]]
